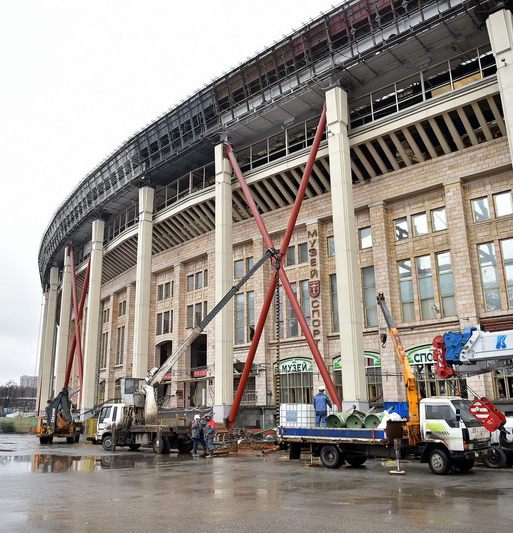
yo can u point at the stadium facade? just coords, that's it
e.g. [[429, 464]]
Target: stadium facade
[[421, 98]]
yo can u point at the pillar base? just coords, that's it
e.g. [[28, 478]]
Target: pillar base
[[221, 413], [347, 405]]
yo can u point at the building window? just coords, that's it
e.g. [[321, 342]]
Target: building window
[[420, 224], [199, 280], [503, 204], [238, 268], [507, 257], [117, 392], [249, 397], [238, 309], [105, 315], [401, 229], [426, 293], [331, 246], [406, 290], [365, 238], [446, 284], [190, 316], [428, 384], [164, 291], [489, 278], [120, 352], [122, 308], [302, 252], [438, 219], [503, 384], [249, 263], [369, 296], [290, 258], [296, 387], [164, 322], [104, 349], [250, 312], [190, 282], [374, 385], [334, 303], [480, 209], [292, 327], [101, 392], [304, 300]]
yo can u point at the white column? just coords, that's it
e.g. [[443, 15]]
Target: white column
[[500, 31], [346, 259], [93, 317], [61, 352], [223, 282], [143, 283], [48, 340]]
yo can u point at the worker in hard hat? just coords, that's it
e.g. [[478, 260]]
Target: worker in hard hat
[[210, 432], [197, 435], [321, 403]]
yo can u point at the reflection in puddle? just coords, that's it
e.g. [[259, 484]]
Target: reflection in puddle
[[50, 463]]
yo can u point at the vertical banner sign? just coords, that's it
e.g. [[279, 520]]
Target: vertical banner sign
[[314, 283]]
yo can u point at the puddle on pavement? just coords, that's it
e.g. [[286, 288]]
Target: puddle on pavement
[[50, 463]]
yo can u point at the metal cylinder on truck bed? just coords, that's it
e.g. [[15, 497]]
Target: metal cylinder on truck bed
[[338, 420], [355, 420], [372, 420]]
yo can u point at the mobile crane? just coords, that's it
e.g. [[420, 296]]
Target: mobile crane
[[473, 352], [440, 431]]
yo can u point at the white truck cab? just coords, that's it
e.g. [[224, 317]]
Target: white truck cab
[[111, 413], [450, 433]]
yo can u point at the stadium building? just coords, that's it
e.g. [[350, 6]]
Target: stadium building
[[420, 119]]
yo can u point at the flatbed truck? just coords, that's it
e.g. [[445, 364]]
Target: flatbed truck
[[449, 437]]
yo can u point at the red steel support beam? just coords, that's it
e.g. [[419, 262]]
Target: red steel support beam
[[77, 313], [319, 134], [252, 351], [282, 275]]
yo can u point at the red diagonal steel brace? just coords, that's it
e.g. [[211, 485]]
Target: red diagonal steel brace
[[286, 284], [77, 313]]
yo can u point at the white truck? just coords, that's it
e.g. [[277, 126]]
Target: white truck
[[449, 437], [119, 425]]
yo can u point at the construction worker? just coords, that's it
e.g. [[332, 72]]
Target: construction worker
[[210, 432], [321, 403], [197, 435]]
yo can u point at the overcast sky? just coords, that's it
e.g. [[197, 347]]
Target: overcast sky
[[78, 79]]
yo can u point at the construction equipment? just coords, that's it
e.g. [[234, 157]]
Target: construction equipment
[[135, 421], [473, 352], [60, 421], [440, 431]]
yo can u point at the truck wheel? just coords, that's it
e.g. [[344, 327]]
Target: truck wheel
[[70, 440], [439, 462], [160, 445], [330, 456], [355, 460], [495, 457], [464, 465], [134, 447], [107, 442], [77, 436], [184, 446]]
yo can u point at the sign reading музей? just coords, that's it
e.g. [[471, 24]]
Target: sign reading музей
[[419, 355]]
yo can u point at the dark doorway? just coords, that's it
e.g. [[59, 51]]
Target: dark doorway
[[199, 352], [165, 350]]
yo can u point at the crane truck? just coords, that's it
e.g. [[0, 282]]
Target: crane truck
[[473, 352], [135, 422], [440, 431]]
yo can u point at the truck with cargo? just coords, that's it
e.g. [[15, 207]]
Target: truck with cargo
[[444, 432], [449, 437], [118, 424]]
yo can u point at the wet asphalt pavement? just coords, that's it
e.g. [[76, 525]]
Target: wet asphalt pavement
[[63, 488]]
